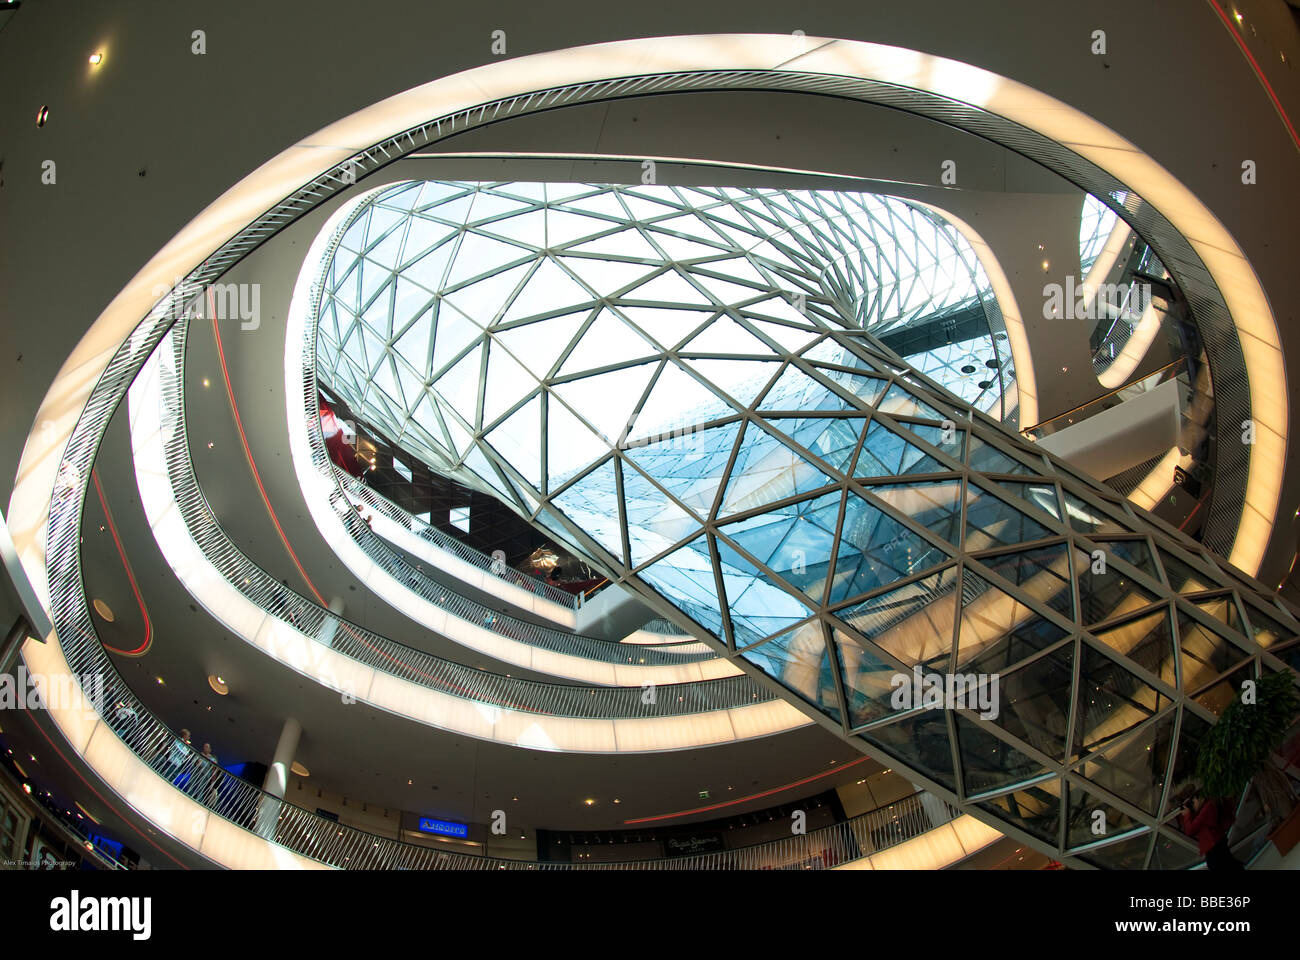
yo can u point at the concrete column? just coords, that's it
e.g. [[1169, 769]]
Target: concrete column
[[330, 627], [277, 777]]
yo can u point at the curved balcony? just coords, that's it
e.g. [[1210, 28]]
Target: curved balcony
[[366, 666]]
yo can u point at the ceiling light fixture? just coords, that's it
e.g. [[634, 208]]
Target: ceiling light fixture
[[96, 58], [42, 115], [218, 685], [102, 609], [298, 770]]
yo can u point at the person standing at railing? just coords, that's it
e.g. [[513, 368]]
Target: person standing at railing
[[214, 775], [176, 757]]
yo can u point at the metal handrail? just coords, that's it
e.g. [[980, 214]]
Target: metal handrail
[[358, 490], [391, 657]]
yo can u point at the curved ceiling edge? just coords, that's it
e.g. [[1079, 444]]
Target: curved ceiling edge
[[317, 163]]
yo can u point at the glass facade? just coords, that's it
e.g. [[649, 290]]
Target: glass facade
[[695, 387]]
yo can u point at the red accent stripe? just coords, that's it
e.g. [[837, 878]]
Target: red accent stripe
[[752, 796], [130, 575], [1259, 74], [252, 465]]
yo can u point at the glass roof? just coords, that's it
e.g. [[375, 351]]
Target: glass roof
[[692, 388]]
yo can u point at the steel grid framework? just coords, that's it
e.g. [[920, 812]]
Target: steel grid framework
[[826, 514]]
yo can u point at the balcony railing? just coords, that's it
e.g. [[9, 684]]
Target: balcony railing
[[358, 491], [391, 657]]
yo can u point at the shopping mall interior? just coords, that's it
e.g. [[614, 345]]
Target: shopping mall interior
[[718, 437]]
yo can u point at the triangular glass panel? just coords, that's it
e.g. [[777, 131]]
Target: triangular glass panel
[[668, 287], [742, 380], [794, 541], [932, 503], [798, 660], [1085, 518], [988, 762], [676, 404], [758, 606], [794, 390], [921, 741], [518, 441], [666, 326], [478, 255], [951, 442], [452, 334], [592, 505], [1036, 809], [990, 522], [1129, 854], [654, 521], [1043, 573], [1034, 700], [1269, 630], [869, 680], [459, 386], [570, 444], [765, 471], [1092, 819], [1135, 552], [726, 336], [886, 454], [1182, 577], [861, 385], [1134, 768], [913, 623], [1206, 652], [987, 458], [539, 344], [607, 277], [1217, 696], [989, 616], [875, 549], [1041, 495], [689, 465], [791, 339], [1104, 592], [506, 384], [685, 579], [832, 439], [1148, 641], [899, 401], [606, 400], [1222, 608], [607, 341], [1110, 700], [548, 289]]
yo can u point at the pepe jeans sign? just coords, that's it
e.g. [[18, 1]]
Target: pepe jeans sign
[[695, 843]]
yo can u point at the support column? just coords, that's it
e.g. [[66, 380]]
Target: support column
[[331, 626], [277, 777]]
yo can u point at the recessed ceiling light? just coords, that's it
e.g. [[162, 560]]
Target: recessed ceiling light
[[42, 115], [217, 684], [298, 770], [589, 801], [96, 58], [207, 382], [102, 609], [161, 682]]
